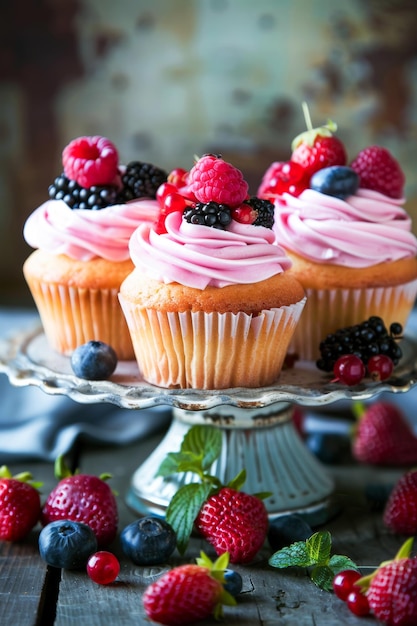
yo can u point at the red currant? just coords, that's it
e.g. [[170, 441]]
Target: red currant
[[287, 176], [164, 190], [178, 177], [174, 202], [349, 369], [357, 603], [244, 214], [343, 582], [380, 367], [103, 567]]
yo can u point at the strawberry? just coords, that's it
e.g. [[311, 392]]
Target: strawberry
[[380, 171], [188, 593], [20, 505], [229, 519], [391, 590], [317, 148], [400, 513], [83, 498], [384, 437], [91, 161], [213, 179], [235, 522]]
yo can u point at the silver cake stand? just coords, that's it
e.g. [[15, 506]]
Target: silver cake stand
[[256, 424]]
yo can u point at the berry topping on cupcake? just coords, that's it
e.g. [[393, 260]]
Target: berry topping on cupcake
[[380, 171], [318, 161], [94, 179], [213, 179], [90, 161], [212, 193]]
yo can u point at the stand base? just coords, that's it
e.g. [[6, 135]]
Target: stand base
[[264, 441]]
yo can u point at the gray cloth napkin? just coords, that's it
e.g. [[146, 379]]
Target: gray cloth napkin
[[35, 425]]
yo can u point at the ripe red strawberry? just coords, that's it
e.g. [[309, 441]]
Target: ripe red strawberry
[[213, 179], [188, 593], [380, 171], [234, 522], [91, 161], [84, 498], [392, 594], [400, 513], [20, 505], [384, 437], [317, 148]]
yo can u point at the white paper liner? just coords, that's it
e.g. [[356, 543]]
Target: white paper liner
[[71, 316], [328, 310], [210, 350]]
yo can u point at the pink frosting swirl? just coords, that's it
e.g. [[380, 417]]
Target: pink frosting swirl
[[83, 234], [199, 256], [363, 230]]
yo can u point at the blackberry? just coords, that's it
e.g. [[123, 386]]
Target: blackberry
[[265, 210], [210, 214], [141, 180], [367, 339], [77, 197]]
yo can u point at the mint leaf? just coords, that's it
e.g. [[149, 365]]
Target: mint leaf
[[338, 563], [294, 555], [322, 576], [183, 509], [319, 546], [204, 442]]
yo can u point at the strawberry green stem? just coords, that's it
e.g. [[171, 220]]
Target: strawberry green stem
[[307, 117]]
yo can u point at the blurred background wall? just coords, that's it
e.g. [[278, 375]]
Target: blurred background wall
[[167, 79]]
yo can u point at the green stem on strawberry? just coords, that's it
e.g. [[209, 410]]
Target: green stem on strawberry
[[309, 136], [23, 477], [403, 553]]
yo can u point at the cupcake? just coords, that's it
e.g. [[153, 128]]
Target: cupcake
[[81, 236], [210, 303], [347, 234]]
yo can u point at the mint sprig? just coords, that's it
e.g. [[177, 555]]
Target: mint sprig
[[315, 555]]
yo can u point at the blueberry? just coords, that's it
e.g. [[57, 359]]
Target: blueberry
[[94, 360], [339, 181], [67, 544], [148, 541], [329, 448], [288, 529], [233, 582]]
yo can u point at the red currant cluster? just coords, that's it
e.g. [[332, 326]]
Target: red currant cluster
[[345, 589], [350, 369]]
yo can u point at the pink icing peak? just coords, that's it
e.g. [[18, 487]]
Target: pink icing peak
[[198, 256], [84, 234]]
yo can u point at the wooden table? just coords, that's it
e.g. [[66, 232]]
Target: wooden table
[[31, 594]]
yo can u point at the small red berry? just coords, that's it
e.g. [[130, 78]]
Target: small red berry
[[103, 567], [349, 369], [357, 603], [244, 214], [178, 177], [380, 367], [283, 176], [344, 581], [165, 190]]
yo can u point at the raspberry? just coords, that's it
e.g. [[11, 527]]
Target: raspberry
[[213, 179], [380, 171], [90, 161]]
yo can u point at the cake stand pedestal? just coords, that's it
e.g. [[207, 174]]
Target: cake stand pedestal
[[256, 424], [264, 441]]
